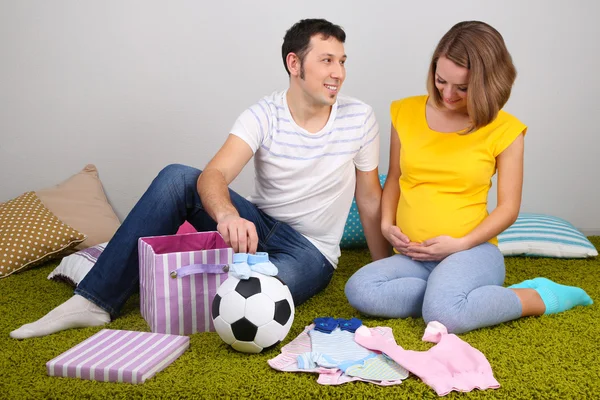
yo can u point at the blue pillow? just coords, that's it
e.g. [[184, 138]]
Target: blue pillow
[[354, 235], [540, 235]]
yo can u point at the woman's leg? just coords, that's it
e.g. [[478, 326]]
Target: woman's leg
[[464, 292], [542, 296], [393, 287]]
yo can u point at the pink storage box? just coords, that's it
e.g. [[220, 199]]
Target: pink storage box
[[119, 356], [180, 305]]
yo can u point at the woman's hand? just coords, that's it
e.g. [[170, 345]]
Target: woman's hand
[[397, 239], [435, 249]]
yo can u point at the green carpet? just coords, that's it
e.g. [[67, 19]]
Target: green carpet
[[545, 357]]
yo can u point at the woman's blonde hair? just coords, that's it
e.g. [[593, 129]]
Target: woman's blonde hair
[[480, 48]]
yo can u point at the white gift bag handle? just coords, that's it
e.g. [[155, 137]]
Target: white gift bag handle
[[199, 269]]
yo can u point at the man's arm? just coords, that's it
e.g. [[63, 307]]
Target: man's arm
[[368, 199], [213, 189]]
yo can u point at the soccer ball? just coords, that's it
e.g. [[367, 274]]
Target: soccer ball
[[255, 314]]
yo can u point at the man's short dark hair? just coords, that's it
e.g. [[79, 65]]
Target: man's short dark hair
[[297, 38]]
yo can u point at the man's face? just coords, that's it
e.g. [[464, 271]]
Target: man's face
[[322, 72]]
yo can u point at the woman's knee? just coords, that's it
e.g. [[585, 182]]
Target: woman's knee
[[358, 290], [446, 313], [351, 290]]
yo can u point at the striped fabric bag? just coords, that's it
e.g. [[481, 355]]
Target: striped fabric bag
[[119, 356], [179, 303]]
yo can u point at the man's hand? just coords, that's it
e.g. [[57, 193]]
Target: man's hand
[[239, 233], [435, 249], [397, 239]]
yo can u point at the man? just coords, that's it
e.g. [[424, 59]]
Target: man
[[313, 150]]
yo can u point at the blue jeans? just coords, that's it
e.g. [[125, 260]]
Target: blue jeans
[[463, 291], [171, 199]]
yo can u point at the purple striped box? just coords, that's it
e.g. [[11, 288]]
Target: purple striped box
[[180, 305], [119, 356]]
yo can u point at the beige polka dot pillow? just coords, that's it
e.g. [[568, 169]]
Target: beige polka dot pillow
[[30, 234]]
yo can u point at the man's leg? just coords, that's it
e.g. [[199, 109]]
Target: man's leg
[[392, 287], [165, 205], [301, 266], [169, 200]]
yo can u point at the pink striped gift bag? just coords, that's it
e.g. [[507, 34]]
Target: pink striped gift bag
[[119, 356], [179, 277]]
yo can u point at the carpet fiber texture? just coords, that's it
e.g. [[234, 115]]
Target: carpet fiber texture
[[555, 356]]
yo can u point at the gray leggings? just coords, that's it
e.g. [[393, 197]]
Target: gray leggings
[[464, 291]]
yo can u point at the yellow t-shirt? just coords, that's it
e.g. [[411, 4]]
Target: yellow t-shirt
[[446, 177]]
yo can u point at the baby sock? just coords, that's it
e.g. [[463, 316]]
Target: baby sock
[[349, 325], [240, 268], [325, 324], [77, 312], [260, 263], [557, 298]]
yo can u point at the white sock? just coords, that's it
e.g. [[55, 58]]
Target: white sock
[[77, 312]]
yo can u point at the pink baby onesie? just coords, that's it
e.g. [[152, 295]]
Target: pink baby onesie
[[450, 365]]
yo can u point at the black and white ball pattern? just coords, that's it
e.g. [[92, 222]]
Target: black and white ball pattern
[[255, 314]]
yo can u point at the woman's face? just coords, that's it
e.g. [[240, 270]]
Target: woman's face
[[452, 81]]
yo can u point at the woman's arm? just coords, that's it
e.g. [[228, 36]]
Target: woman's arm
[[391, 196], [510, 187], [391, 188], [368, 201]]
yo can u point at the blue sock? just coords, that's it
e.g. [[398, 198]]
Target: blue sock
[[240, 268], [260, 263], [528, 284], [557, 298], [325, 324], [350, 325]]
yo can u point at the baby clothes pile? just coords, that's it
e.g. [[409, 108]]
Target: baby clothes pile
[[327, 349], [342, 351]]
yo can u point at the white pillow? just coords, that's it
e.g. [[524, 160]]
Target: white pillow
[[540, 235], [72, 269]]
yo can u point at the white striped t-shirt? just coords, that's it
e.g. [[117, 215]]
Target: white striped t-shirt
[[307, 179]]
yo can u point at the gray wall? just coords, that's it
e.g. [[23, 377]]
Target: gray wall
[[134, 85]]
